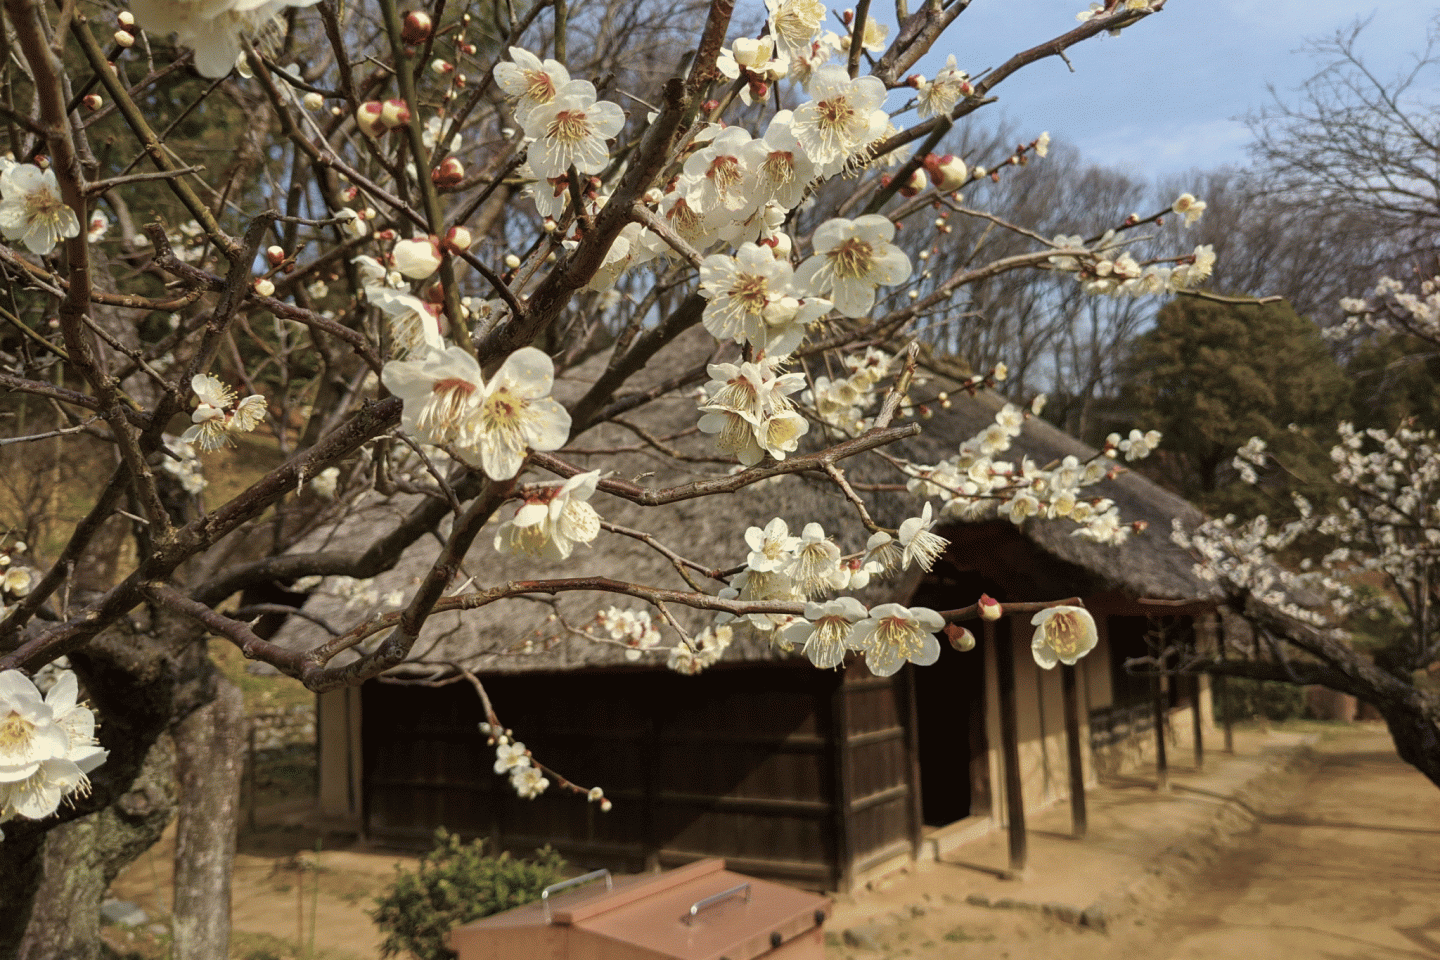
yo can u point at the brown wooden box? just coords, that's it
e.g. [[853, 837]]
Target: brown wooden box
[[697, 912]]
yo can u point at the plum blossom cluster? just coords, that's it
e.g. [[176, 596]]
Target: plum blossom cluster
[[219, 415], [1384, 524], [491, 424], [842, 402], [47, 746], [513, 760], [1103, 267], [632, 629], [1390, 309], [701, 651], [974, 483]]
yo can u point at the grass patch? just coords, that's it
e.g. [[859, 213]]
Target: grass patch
[[961, 935]]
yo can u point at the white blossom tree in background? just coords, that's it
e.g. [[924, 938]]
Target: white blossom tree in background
[[366, 240]]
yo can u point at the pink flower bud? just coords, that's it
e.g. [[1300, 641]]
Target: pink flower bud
[[264, 287], [947, 173], [450, 173], [275, 254], [417, 27], [960, 637], [368, 118], [92, 101], [458, 238], [395, 113], [990, 608], [913, 184]]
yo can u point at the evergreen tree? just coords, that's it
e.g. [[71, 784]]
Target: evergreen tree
[[1211, 375]]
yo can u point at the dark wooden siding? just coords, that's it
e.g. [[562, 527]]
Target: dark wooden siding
[[737, 762], [877, 739]]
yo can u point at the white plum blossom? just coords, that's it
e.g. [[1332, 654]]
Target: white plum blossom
[[894, 634], [836, 123], [528, 781], [919, 546], [1189, 207], [824, 633], [530, 82], [510, 756], [939, 96], [212, 28], [516, 414], [32, 210], [1062, 635], [219, 416], [441, 394], [47, 746], [795, 24], [704, 651], [748, 407], [553, 520], [852, 258], [414, 323], [571, 130]]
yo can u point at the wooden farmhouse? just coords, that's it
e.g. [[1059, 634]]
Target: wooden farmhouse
[[821, 778]]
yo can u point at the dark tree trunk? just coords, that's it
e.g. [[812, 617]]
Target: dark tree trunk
[[82, 858], [210, 754], [1415, 727]]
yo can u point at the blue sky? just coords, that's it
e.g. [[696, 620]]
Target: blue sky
[[1167, 95]]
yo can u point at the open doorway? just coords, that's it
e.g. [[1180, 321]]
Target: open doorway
[[950, 714]]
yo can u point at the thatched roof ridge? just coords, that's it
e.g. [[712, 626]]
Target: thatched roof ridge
[[521, 635]]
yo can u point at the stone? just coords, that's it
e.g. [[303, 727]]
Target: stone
[[1093, 916], [1062, 912], [864, 937], [978, 900], [918, 910], [122, 913]]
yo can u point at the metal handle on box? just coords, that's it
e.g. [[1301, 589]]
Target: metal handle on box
[[574, 882], [708, 902]]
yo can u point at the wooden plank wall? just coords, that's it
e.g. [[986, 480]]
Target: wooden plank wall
[[877, 715], [737, 762]]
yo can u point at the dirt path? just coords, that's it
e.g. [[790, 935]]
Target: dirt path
[[1349, 869]]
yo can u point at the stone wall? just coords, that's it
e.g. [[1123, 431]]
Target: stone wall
[[283, 727]]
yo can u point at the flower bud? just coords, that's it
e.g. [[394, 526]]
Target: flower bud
[[92, 101], [990, 608], [947, 172], [960, 637], [605, 805], [449, 174], [368, 118], [126, 19], [417, 258], [417, 27], [313, 101], [395, 113], [512, 262], [458, 238], [913, 184], [124, 38], [441, 67], [275, 254], [264, 287]]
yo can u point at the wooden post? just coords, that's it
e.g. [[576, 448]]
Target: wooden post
[[1157, 700], [912, 747], [1078, 821], [999, 642], [1199, 726], [840, 743]]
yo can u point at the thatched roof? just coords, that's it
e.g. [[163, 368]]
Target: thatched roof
[[527, 635]]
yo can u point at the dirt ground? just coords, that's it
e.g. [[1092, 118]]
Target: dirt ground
[[1259, 855]]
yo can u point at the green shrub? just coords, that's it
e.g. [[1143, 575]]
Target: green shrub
[[1246, 699], [455, 884]]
